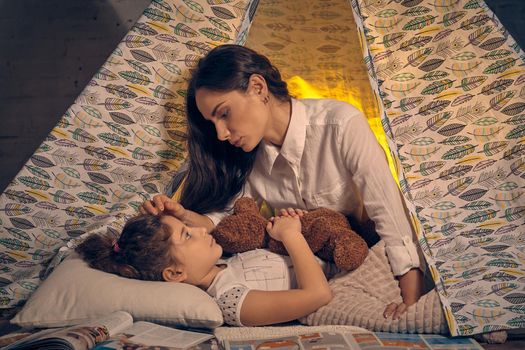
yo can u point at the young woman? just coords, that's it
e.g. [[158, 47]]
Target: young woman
[[253, 288], [248, 136]]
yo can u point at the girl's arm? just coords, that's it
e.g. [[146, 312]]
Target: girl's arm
[[162, 204], [269, 307]]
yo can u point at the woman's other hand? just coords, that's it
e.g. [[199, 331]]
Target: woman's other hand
[[411, 285], [162, 204]]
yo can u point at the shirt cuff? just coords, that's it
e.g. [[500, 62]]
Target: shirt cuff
[[404, 257], [216, 217]]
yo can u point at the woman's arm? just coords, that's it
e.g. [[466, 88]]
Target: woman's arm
[[162, 204], [269, 307], [384, 204], [412, 287], [367, 163]]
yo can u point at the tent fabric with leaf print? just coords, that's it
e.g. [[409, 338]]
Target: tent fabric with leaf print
[[441, 81]]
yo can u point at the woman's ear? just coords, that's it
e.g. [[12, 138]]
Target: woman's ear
[[257, 86], [174, 274]]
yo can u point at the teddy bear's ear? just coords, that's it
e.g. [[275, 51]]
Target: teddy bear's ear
[[245, 205]]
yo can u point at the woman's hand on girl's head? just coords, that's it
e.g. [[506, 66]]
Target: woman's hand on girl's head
[[154, 206], [280, 227], [162, 204]]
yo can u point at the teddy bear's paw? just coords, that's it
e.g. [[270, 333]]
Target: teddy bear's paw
[[245, 205], [276, 247], [240, 233], [350, 251], [336, 219], [318, 233]]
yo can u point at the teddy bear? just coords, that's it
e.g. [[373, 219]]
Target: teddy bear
[[327, 232]]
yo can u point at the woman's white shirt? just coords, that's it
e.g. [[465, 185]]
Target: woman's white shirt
[[330, 158]]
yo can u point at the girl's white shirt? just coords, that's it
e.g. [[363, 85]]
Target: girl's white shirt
[[330, 158], [257, 269]]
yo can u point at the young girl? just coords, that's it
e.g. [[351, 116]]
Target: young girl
[[252, 288], [249, 137]]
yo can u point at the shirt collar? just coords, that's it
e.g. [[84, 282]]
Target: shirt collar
[[293, 144]]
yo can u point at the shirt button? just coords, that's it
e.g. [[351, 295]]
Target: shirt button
[[407, 240]]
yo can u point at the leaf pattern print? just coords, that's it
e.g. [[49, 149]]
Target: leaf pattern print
[[114, 147], [470, 105]]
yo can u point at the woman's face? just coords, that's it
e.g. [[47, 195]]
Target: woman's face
[[241, 118]]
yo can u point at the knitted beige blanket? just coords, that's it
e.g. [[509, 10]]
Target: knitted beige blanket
[[361, 296]]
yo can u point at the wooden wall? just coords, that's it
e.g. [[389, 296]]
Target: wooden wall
[[49, 50]]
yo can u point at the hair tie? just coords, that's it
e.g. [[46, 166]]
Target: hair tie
[[116, 248]]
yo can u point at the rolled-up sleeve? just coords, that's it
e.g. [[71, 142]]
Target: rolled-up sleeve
[[382, 199], [216, 216]]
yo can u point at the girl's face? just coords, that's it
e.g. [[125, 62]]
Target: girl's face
[[241, 118], [195, 251]]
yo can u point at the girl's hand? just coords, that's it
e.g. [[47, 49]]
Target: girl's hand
[[162, 204], [268, 307], [411, 284], [292, 212], [282, 226]]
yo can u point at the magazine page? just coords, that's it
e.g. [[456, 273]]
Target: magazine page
[[125, 344], [356, 341], [314, 340], [145, 334], [79, 337], [115, 323], [399, 341], [73, 338], [30, 338]]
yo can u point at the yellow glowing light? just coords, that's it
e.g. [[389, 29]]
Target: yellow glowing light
[[300, 88]]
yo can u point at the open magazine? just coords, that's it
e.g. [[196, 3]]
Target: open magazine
[[115, 331], [355, 341]]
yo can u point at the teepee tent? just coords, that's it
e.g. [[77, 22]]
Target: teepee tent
[[441, 81]]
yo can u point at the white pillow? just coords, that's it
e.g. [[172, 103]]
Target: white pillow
[[75, 293]]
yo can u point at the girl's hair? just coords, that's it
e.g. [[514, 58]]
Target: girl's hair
[[217, 170], [141, 252]]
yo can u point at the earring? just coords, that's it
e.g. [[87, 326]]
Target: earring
[[266, 99]]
